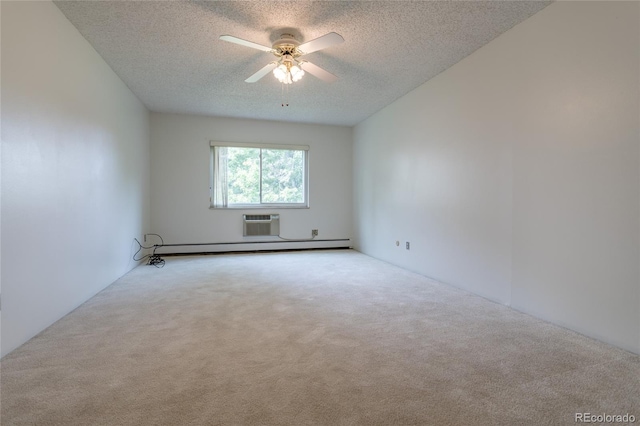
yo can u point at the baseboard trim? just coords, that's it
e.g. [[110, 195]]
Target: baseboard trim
[[213, 253]]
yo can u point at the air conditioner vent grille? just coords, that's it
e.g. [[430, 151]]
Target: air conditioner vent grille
[[257, 217], [255, 225]]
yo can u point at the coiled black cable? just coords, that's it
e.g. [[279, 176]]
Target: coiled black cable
[[153, 258]]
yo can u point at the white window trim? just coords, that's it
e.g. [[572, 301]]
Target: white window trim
[[304, 148]]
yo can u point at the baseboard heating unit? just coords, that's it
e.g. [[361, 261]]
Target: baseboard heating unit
[[256, 225], [265, 224]]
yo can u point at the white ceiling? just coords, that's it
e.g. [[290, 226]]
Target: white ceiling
[[170, 55]]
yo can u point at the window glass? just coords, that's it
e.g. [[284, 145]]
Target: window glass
[[282, 176], [258, 176], [243, 171]]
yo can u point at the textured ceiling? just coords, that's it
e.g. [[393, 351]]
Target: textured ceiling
[[170, 55]]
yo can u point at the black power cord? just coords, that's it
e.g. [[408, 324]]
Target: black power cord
[[156, 261], [153, 258]]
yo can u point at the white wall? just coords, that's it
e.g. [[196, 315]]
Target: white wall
[[75, 170], [180, 158], [576, 207], [515, 174]]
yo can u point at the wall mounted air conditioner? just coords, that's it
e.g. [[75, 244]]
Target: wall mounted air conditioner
[[255, 225]]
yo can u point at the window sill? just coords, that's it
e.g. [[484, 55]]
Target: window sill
[[263, 207]]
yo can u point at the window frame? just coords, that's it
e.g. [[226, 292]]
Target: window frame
[[261, 205]]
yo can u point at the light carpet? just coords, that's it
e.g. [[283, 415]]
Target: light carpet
[[306, 338]]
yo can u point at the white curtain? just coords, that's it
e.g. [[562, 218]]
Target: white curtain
[[220, 179]]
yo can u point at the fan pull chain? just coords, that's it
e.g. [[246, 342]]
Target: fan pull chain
[[285, 95]]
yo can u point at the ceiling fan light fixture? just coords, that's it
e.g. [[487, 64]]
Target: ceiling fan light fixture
[[298, 76], [286, 72], [280, 72]]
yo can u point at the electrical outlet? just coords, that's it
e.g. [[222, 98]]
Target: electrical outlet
[[314, 232], [408, 245]]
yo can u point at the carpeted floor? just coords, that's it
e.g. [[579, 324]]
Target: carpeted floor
[[306, 338]]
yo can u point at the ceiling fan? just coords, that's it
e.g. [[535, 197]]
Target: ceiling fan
[[288, 68]]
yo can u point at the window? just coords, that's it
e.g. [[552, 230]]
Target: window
[[257, 175]]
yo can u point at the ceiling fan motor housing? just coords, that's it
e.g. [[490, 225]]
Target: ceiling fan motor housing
[[286, 45]]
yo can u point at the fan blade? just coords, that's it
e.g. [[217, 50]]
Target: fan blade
[[263, 71], [320, 43], [242, 42], [318, 72]]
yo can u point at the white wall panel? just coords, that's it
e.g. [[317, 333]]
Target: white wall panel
[[180, 155], [515, 173], [75, 170]]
